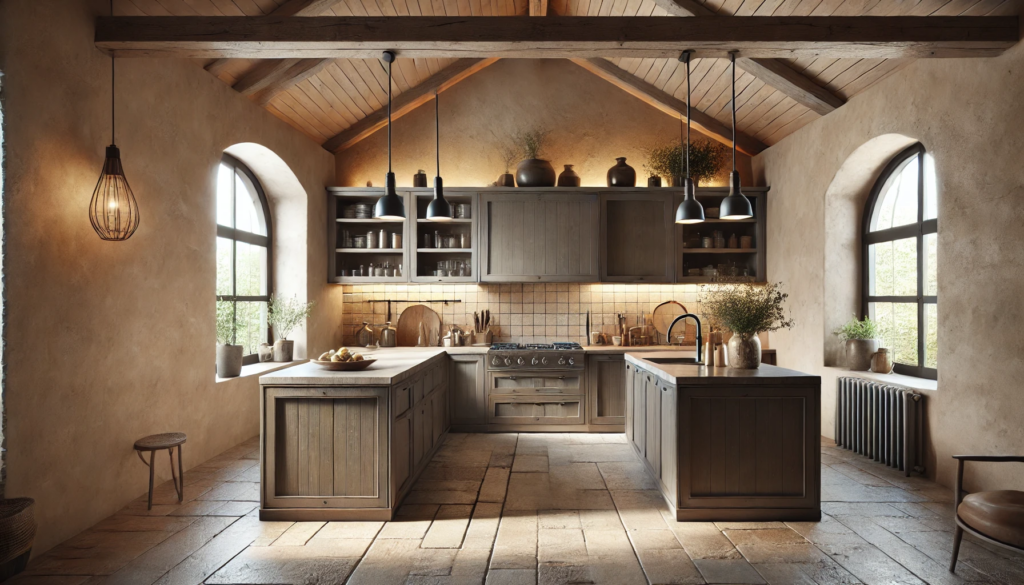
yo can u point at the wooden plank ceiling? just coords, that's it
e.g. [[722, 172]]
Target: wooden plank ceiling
[[327, 98]]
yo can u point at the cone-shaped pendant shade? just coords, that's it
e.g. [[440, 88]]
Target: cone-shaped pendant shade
[[390, 206], [690, 210], [736, 205], [439, 209], [113, 211]]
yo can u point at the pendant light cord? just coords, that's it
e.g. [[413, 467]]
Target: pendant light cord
[[389, 115], [733, 56], [437, 134], [112, 141], [687, 115]]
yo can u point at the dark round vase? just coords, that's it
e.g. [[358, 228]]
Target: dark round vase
[[568, 178], [621, 175], [506, 180], [535, 172], [654, 181]]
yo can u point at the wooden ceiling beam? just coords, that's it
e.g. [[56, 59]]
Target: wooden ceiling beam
[[273, 37], [538, 7], [778, 74], [671, 105], [273, 76], [407, 101]]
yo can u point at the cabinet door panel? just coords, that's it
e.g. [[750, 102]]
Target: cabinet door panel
[[653, 443], [636, 237], [468, 392], [529, 237], [401, 446], [669, 448], [439, 405], [639, 411], [605, 377], [629, 400]]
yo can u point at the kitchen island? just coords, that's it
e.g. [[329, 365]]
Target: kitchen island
[[726, 444]]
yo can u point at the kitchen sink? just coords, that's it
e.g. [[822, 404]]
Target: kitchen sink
[[671, 361]]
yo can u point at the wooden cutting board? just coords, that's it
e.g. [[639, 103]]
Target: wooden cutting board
[[663, 316], [409, 326]]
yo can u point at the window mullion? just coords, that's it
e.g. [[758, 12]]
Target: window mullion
[[920, 261]]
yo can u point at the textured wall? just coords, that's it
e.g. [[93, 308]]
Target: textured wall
[[968, 115], [108, 342], [590, 123]]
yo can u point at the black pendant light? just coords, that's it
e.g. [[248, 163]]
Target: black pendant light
[[390, 206], [113, 211], [439, 209], [736, 205], [690, 210]]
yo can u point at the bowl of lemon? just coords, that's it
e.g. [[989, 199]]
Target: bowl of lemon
[[343, 360]]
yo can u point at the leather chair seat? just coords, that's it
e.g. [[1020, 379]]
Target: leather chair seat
[[998, 515]]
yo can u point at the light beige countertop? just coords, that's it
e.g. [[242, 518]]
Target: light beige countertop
[[393, 365], [690, 374]]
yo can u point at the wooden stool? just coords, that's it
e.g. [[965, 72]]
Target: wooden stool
[[154, 443]]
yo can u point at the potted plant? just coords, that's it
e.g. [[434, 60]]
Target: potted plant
[[509, 152], [284, 316], [661, 161], [861, 337], [706, 158], [533, 171], [746, 310], [229, 356]]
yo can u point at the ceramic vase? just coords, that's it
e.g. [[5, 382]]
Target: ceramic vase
[[654, 181], [859, 352], [621, 175], [283, 349], [535, 172], [229, 361], [744, 351], [881, 363], [568, 178], [506, 180], [419, 179]]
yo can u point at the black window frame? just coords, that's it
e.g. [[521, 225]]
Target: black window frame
[[917, 230], [236, 235]]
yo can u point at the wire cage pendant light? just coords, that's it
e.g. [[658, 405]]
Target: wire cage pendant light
[[390, 206], [439, 209], [113, 210], [690, 210], [736, 205]]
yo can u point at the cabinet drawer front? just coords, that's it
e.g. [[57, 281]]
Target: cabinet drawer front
[[540, 410], [400, 400], [547, 383]]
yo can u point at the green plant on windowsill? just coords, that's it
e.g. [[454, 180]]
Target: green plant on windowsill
[[862, 339], [285, 314], [857, 329], [225, 324]]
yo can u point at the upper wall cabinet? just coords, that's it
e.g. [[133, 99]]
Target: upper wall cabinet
[[737, 247], [636, 237], [539, 237], [361, 248]]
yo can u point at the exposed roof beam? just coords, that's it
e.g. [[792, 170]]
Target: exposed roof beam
[[775, 73], [538, 7], [407, 101], [273, 76], [669, 104], [272, 37]]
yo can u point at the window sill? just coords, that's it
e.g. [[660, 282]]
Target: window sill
[[919, 384], [261, 368]]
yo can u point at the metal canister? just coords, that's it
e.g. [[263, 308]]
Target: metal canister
[[364, 337], [382, 239], [371, 239], [396, 240]]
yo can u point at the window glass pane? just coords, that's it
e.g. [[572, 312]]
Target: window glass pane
[[931, 194], [224, 266], [898, 203], [248, 210], [251, 270], [224, 194], [251, 318], [931, 335], [931, 249], [892, 268], [898, 325]]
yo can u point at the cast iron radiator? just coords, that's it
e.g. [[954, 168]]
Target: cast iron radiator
[[881, 422]]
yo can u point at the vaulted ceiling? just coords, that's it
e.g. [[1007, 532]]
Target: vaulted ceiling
[[336, 102]]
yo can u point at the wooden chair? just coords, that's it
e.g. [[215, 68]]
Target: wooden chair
[[996, 517], [154, 443]]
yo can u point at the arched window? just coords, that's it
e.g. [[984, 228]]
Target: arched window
[[243, 256], [900, 289]]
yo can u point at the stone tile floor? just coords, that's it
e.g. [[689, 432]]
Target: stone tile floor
[[528, 508]]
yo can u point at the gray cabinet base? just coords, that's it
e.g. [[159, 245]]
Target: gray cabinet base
[[500, 428]]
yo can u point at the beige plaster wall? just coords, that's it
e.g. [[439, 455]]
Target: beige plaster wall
[[968, 115], [108, 342], [590, 123]]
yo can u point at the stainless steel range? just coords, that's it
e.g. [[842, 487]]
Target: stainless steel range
[[535, 356]]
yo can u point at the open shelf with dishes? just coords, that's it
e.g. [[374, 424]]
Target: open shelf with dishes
[[722, 250], [364, 249], [444, 251]]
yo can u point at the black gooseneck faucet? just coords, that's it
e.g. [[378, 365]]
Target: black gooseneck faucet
[[700, 340]]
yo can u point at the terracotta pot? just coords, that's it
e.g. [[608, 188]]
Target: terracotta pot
[[654, 181], [506, 180], [283, 349], [744, 351], [568, 178], [535, 172], [229, 361], [621, 175], [859, 352]]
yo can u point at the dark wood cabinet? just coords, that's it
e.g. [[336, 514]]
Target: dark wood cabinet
[[636, 237], [468, 389], [607, 385], [539, 237]]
